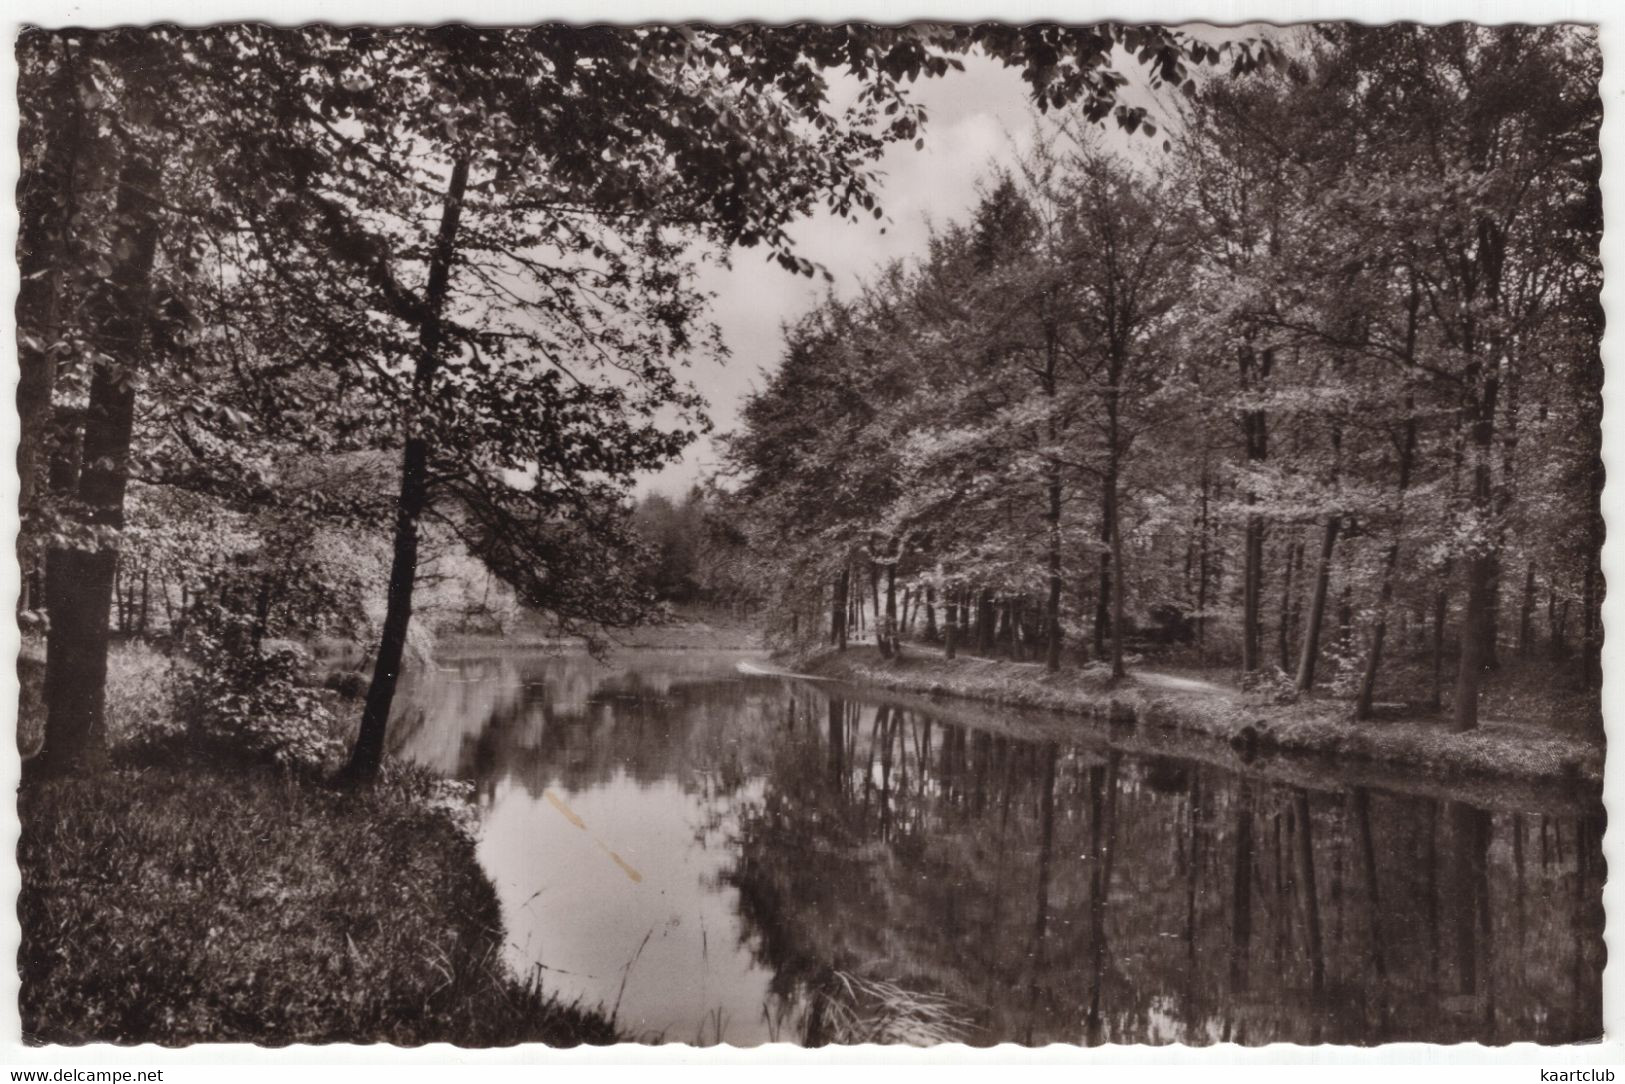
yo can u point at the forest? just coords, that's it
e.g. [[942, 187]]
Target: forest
[[1311, 391]]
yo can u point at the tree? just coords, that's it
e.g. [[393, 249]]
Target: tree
[[325, 151]]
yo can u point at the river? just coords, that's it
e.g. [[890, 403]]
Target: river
[[714, 855]]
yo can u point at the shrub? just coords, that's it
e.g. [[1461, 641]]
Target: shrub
[[141, 698], [249, 697], [1272, 686], [349, 684]]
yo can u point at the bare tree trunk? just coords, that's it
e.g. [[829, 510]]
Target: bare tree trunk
[[1203, 558], [79, 582], [48, 207], [1441, 610], [890, 632], [1591, 656], [1364, 703], [1114, 507], [146, 601], [1283, 626], [1526, 612], [368, 754], [874, 592], [986, 632], [1255, 428], [120, 610], [1103, 592], [1310, 653], [838, 609], [1385, 594], [1480, 564], [1052, 615], [1118, 670]]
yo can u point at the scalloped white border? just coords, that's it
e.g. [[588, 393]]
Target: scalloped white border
[[1233, 1063]]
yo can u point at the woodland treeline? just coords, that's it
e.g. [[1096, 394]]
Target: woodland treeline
[[1308, 380], [305, 307]]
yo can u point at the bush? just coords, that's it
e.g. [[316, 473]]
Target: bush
[[1272, 686], [250, 698], [141, 698], [350, 684]]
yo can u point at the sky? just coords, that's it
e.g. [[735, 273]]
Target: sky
[[976, 117]]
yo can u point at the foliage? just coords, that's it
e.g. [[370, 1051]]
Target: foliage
[[1330, 356], [142, 688], [696, 554], [250, 246], [252, 698]]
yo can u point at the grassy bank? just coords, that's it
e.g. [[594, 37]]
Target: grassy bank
[[1202, 709], [177, 906], [174, 901]]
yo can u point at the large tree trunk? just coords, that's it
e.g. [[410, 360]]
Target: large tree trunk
[[1255, 429], [838, 609], [47, 206], [79, 582], [1591, 655], [1283, 625], [951, 616], [1526, 613], [890, 633], [1385, 594], [1202, 563], [1480, 566], [985, 630], [1103, 591], [1310, 652], [368, 753], [1114, 464], [1052, 613], [877, 626], [1118, 624], [1363, 704]]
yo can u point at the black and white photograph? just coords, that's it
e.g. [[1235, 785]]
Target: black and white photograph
[[822, 533]]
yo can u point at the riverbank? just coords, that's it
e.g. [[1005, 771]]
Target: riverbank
[[180, 905], [175, 900], [1206, 710], [687, 633]]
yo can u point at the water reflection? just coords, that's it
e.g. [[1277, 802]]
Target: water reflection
[[719, 857]]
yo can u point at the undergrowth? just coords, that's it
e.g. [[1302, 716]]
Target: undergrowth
[[186, 896]]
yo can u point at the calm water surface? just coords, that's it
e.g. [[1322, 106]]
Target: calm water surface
[[715, 856]]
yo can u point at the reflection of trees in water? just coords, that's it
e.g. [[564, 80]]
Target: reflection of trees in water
[[1080, 895], [897, 874], [569, 721]]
